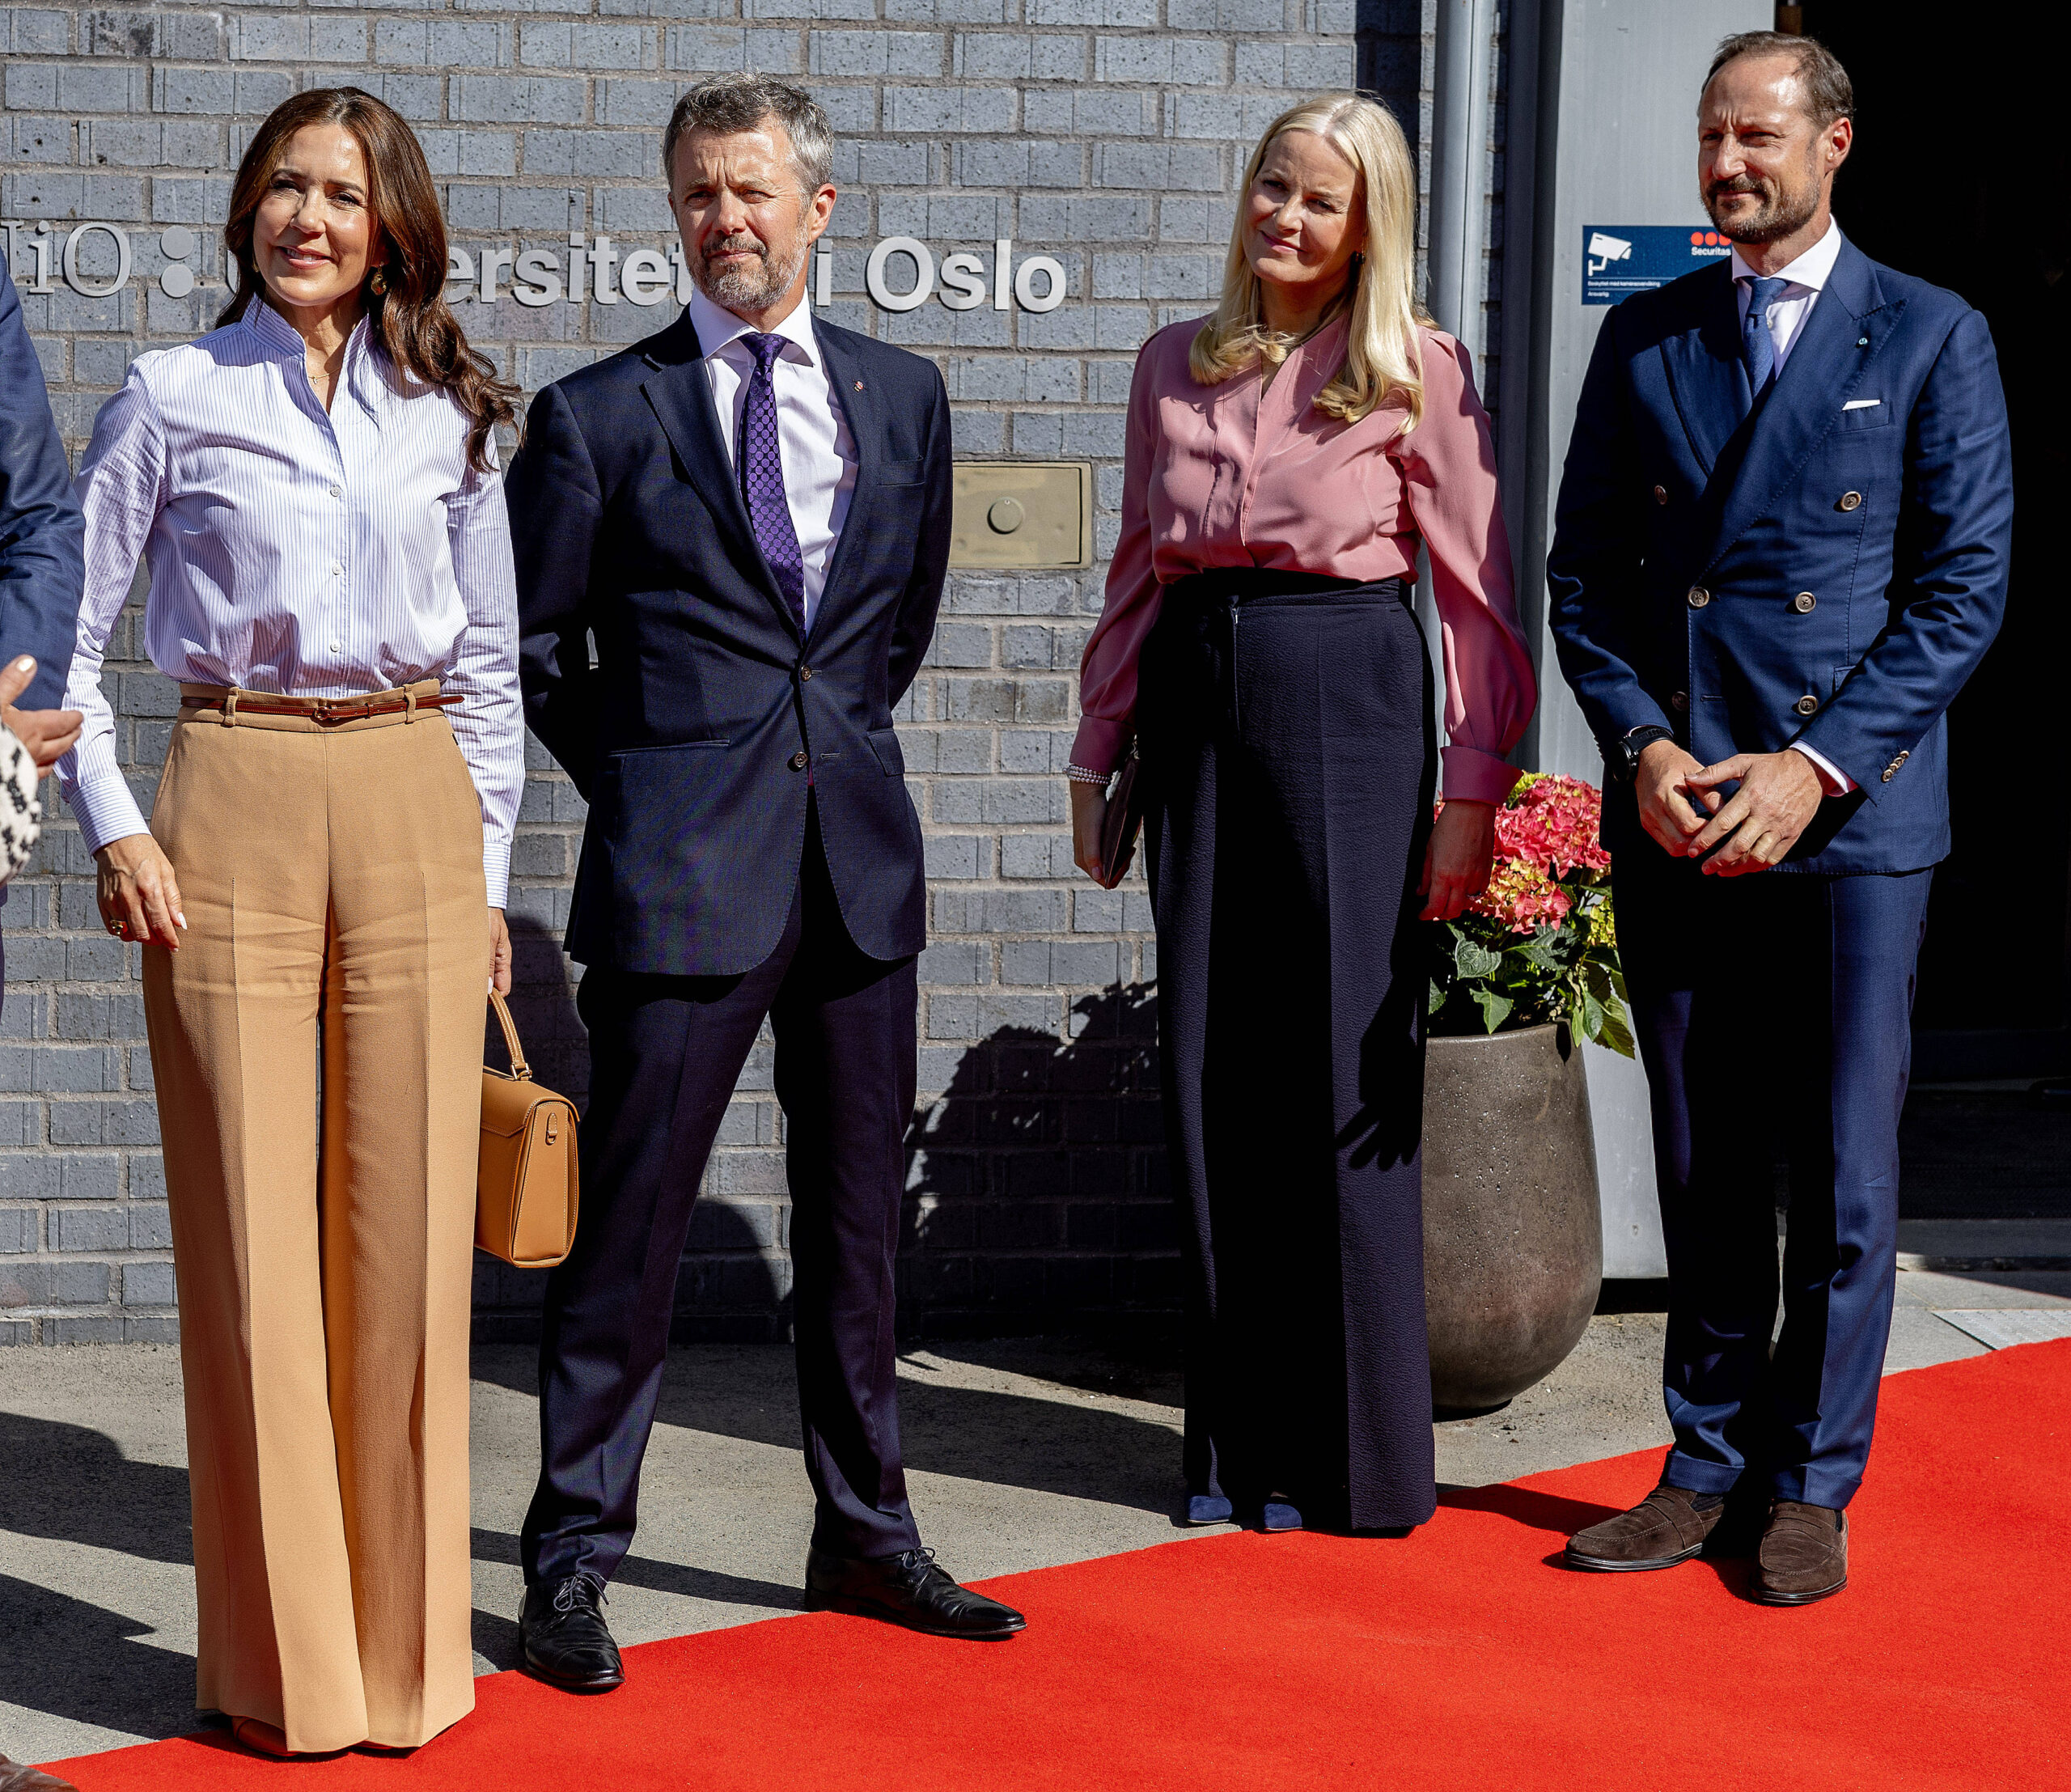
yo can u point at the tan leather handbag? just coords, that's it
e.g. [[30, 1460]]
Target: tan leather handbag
[[525, 1181]]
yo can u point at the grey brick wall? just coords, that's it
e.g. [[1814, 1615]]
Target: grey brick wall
[[1107, 133]]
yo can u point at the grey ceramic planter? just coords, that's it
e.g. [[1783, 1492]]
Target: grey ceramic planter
[[1513, 1234]]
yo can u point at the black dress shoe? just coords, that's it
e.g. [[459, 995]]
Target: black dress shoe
[[907, 1589], [566, 1644]]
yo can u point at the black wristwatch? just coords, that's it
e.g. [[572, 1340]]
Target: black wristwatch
[[1621, 757]]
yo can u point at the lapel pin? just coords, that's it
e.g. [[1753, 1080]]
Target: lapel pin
[[859, 385], [1862, 342]]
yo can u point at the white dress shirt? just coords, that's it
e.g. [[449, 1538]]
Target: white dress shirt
[[297, 551], [812, 434], [1788, 311]]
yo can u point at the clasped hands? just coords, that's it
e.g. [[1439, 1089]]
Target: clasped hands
[[1681, 808]]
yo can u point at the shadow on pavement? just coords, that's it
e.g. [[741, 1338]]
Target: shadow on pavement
[[658, 1576], [85, 1490], [67, 1659], [1008, 1440]]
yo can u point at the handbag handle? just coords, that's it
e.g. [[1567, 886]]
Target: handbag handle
[[519, 1067]]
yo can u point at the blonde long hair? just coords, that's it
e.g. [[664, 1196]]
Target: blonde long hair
[[1381, 363]]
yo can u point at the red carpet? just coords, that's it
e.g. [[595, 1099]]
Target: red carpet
[[1461, 1657]]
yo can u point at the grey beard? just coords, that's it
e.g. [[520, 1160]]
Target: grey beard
[[1776, 218], [752, 287]]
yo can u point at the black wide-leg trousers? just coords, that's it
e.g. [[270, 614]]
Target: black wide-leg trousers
[[1287, 730], [665, 1054]]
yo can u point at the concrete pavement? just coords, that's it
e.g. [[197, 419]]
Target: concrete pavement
[[1021, 1454]]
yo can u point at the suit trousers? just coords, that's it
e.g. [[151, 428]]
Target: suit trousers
[[331, 878], [1774, 1019], [665, 1054]]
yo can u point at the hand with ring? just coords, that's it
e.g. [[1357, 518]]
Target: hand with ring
[[139, 896]]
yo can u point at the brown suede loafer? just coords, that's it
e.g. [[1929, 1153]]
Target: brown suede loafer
[[1804, 1554], [1669, 1525], [15, 1777]]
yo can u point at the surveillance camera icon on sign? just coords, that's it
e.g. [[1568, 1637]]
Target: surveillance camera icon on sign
[[1604, 250], [175, 279]]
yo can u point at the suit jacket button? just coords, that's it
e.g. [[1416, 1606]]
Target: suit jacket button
[[1661, 494], [805, 673], [1803, 603], [1806, 705], [798, 762], [1699, 597], [1680, 701], [1851, 500]]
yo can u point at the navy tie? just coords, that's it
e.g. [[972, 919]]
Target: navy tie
[[1758, 348], [762, 480]]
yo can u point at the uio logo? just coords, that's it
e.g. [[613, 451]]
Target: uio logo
[[68, 257]]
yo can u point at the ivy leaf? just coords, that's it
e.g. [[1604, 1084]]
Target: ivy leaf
[[1495, 1008]]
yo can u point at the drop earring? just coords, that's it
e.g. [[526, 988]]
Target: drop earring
[[379, 284]]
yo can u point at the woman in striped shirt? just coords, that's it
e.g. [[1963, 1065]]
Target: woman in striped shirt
[[314, 486]]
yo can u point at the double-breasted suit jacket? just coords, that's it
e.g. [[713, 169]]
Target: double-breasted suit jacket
[[1828, 568], [705, 717]]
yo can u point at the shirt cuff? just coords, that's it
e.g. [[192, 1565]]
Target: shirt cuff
[[1832, 779], [106, 810], [496, 871], [1473, 776], [1100, 745]]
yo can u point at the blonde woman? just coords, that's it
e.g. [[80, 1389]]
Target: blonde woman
[[1284, 458]]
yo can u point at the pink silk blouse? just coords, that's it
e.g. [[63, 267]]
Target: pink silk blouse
[[1216, 476]]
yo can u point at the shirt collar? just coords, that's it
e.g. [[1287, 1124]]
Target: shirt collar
[[718, 327], [1811, 270]]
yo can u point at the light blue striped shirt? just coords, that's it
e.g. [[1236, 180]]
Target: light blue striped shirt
[[292, 550]]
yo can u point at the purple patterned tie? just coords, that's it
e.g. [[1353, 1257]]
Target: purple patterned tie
[[762, 480]]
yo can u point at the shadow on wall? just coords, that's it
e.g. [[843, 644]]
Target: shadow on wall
[[1036, 1198]]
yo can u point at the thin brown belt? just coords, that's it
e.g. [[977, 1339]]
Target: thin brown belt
[[323, 710]]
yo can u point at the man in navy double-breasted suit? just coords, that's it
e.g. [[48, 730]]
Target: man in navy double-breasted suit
[[749, 514], [1781, 547]]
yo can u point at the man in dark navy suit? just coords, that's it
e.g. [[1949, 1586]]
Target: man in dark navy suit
[[749, 513], [42, 552], [1781, 547]]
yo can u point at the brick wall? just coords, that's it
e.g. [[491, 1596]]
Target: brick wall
[[1107, 133]]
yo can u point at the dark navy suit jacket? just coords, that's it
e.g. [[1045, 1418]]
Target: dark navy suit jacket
[[42, 537], [685, 734], [1689, 532]]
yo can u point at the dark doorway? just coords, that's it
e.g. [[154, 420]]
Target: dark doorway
[[1958, 176]]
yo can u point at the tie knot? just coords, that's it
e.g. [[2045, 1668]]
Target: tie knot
[[766, 349], [1764, 290]]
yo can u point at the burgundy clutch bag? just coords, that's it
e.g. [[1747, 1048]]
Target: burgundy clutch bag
[[1123, 823]]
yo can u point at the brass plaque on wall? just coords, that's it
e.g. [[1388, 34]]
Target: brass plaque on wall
[[1022, 515]]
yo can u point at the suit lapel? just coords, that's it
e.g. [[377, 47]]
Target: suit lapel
[[679, 392], [858, 399], [1848, 326], [1705, 372]]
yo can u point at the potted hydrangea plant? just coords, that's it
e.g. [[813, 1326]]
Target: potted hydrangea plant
[[1513, 1247]]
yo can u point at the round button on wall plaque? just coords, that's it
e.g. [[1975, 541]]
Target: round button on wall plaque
[[1005, 515]]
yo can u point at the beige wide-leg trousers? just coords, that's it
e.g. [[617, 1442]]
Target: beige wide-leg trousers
[[332, 879]]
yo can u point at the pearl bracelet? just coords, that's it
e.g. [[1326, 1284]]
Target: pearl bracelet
[[1078, 774]]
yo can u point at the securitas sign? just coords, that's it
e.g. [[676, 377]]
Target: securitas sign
[[1620, 260]]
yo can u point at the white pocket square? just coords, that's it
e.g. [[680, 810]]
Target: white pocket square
[[1861, 403]]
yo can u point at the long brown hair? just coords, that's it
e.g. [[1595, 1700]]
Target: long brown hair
[[407, 309]]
